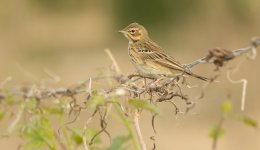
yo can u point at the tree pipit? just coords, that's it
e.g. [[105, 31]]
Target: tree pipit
[[149, 58]]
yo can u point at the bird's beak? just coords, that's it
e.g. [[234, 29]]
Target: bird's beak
[[121, 31]]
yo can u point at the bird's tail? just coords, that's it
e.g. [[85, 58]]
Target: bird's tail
[[198, 76]]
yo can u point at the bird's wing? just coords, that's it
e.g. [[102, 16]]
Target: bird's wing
[[147, 53], [160, 59], [154, 46]]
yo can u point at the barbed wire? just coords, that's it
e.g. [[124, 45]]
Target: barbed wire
[[130, 86]]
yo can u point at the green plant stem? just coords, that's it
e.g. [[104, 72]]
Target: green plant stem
[[129, 127], [219, 126], [67, 140]]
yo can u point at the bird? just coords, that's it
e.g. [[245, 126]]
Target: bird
[[150, 60]]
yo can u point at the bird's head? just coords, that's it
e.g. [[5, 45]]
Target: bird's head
[[135, 32]]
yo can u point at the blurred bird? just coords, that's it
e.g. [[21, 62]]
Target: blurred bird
[[149, 58]]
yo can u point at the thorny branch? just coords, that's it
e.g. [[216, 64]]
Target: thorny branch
[[128, 87]]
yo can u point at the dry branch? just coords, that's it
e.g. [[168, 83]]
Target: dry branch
[[127, 87]]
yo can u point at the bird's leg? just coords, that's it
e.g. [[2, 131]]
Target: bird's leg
[[154, 84], [184, 81], [144, 81], [133, 75], [158, 80]]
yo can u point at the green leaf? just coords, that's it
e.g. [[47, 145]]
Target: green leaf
[[127, 122], [118, 143], [76, 136], [142, 104], [78, 133], [226, 107], [8, 96], [216, 133], [30, 104], [38, 133], [96, 100], [2, 114], [90, 133], [250, 122], [54, 111]]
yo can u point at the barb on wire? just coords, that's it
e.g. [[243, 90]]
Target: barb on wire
[[220, 56]]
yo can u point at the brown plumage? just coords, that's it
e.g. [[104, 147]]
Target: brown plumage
[[149, 58]]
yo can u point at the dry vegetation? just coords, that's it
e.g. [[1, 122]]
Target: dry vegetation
[[124, 97]]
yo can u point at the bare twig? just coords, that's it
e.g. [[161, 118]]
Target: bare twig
[[138, 130], [8, 79], [54, 77], [103, 125], [244, 87], [154, 132], [117, 69], [163, 91], [62, 145], [14, 123], [90, 87], [85, 129], [25, 72]]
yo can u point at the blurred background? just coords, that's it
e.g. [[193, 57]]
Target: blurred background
[[68, 37]]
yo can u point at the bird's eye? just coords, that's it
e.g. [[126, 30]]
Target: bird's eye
[[132, 31]]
